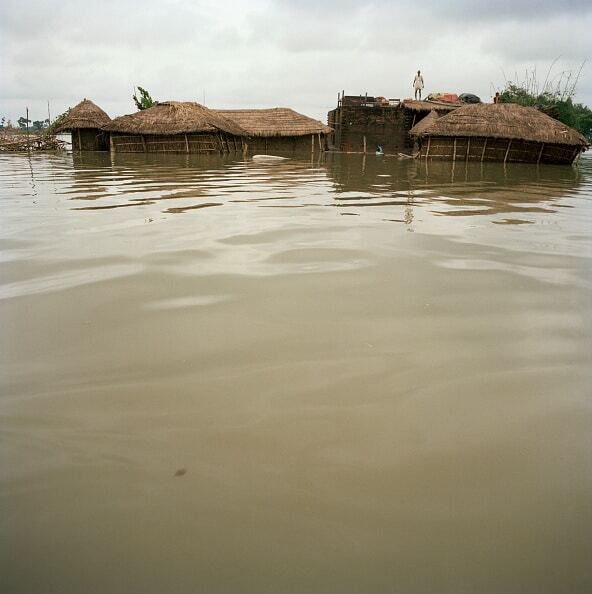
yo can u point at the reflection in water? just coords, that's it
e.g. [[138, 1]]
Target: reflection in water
[[481, 189], [290, 392]]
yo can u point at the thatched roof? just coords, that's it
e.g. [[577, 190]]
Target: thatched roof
[[174, 117], [279, 121], [504, 120], [84, 115], [420, 105], [424, 123]]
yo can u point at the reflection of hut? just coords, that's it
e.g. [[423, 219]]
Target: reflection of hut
[[362, 123], [175, 127], [499, 132], [85, 122], [279, 129], [509, 194]]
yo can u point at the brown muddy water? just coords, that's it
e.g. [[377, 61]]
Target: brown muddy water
[[347, 375]]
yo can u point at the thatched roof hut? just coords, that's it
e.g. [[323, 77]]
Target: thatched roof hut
[[85, 115], [174, 117], [275, 122], [504, 121]]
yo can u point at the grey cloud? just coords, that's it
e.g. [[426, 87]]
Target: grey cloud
[[569, 39], [271, 52], [507, 10]]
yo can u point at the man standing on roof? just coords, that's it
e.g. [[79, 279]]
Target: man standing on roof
[[418, 84]]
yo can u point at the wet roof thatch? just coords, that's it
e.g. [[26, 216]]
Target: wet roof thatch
[[424, 124], [174, 117], [504, 120], [278, 121], [84, 115]]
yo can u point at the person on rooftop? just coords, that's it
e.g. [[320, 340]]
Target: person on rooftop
[[418, 84]]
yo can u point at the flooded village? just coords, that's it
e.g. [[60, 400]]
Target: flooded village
[[313, 315], [443, 127]]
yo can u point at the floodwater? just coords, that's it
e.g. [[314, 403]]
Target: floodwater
[[328, 375]]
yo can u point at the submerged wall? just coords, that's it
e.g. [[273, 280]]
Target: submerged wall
[[359, 128], [89, 139], [202, 143], [495, 149], [286, 144]]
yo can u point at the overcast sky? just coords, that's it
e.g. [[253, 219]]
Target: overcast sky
[[267, 53]]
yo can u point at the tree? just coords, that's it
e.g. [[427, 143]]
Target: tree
[[39, 125], [51, 127], [554, 97], [144, 101], [22, 122]]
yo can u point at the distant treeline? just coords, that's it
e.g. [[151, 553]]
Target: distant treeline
[[23, 123]]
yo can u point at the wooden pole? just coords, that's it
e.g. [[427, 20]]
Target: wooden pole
[[79, 141], [541, 153], [454, 152], [483, 151], [508, 150], [579, 155], [468, 149], [111, 143], [144, 143], [27, 125], [320, 145], [186, 144], [364, 144], [576, 153], [428, 149], [312, 143]]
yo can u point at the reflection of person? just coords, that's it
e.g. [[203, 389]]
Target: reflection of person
[[497, 97], [418, 84]]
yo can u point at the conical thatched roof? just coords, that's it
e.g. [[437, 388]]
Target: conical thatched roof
[[174, 117], [84, 115], [424, 124], [278, 121], [504, 120]]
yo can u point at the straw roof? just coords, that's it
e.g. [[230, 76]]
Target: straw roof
[[279, 121], [504, 120], [174, 117], [424, 124], [419, 105], [84, 115]]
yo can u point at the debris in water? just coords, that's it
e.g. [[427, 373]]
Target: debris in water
[[181, 472], [32, 142]]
